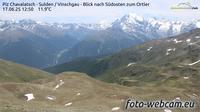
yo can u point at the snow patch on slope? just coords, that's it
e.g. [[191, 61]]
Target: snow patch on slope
[[51, 97], [197, 37], [149, 48], [188, 40], [68, 104], [29, 96], [115, 108], [194, 63], [177, 41], [78, 94], [130, 64], [167, 110], [58, 85], [169, 50]]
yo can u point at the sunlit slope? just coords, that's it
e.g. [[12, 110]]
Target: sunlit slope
[[11, 72], [77, 92]]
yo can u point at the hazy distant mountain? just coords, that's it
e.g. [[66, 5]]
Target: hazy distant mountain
[[36, 44], [125, 32], [28, 48], [152, 27], [100, 43]]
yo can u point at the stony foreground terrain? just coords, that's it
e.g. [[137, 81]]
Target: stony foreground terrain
[[77, 92]]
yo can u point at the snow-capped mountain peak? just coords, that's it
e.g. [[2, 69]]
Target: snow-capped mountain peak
[[132, 17], [130, 23], [152, 21], [27, 21], [104, 24], [41, 23], [153, 27]]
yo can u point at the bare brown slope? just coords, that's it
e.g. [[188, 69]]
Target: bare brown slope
[[77, 92]]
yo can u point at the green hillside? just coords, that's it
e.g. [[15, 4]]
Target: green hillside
[[11, 72], [172, 61]]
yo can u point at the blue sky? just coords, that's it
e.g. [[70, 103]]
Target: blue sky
[[158, 9]]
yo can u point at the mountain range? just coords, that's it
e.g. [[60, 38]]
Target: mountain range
[[142, 63], [39, 44]]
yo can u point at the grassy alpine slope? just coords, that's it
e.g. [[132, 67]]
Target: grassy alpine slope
[[172, 62], [77, 92], [12, 72], [166, 69]]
